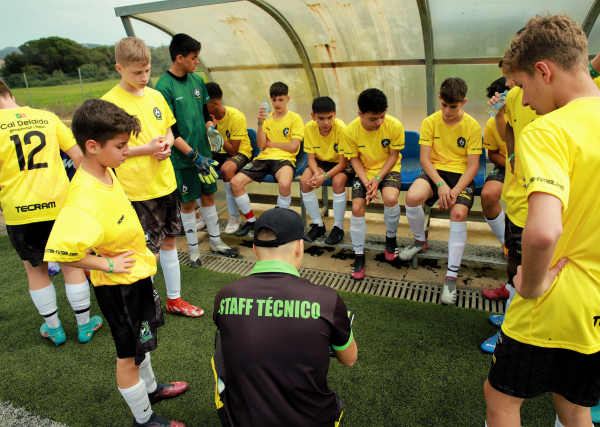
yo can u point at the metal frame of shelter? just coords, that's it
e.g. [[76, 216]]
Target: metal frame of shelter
[[134, 11]]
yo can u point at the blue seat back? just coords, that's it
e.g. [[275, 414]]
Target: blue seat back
[[411, 159], [252, 136]]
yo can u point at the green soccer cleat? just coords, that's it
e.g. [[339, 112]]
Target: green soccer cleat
[[87, 331], [56, 335]]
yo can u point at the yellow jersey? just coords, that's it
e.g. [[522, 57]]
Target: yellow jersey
[[597, 81], [451, 145], [282, 130], [33, 181], [326, 148], [373, 147], [145, 177], [491, 137], [233, 126], [100, 217], [513, 191], [558, 157]]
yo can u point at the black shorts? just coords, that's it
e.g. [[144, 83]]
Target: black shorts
[[133, 313], [160, 218], [258, 169], [512, 241], [526, 371], [30, 240], [392, 179], [327, 166], [239, 159], [497, 174], [465, 198]]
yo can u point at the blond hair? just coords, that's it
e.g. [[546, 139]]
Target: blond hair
[[131, 50], [556, 38], [5, 90]]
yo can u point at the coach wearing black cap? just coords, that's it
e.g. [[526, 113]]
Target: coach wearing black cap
[[275, 332]]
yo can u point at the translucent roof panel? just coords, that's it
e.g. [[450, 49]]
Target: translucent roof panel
[[474, 29], [594, 39], [355, 30]]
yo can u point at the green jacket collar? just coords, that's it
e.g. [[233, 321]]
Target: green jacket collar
[[274, 267]]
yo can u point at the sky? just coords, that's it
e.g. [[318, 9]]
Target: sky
[[85, 21]]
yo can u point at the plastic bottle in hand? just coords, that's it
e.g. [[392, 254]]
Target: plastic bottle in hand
[[493, 109], [266, 106]]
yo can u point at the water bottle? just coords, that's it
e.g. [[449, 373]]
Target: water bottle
[[493, 109], [266, 106]]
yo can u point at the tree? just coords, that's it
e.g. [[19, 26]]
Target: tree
[[13, 64], [55, 53], [103, 57], [161, 60]]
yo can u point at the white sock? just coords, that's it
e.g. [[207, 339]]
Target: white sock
[[243, 203], [497, 226], [558, 423], [358, 232], [79, 297], [170, 266], [416, 220], [339, 209], [513, 292], [212, 223], [231, 205], [147, 374], [45, 301], [138, 401], [284, 202], [456, 247], [189, 225], [311, 202], [391, 217]]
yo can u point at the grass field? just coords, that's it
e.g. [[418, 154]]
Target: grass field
[[418, 365]]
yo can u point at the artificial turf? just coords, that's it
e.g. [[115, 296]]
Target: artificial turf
[[419, 364]]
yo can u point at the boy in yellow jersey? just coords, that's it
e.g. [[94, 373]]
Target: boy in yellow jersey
[[373, 142], [98, 216], [279, 136], [322, 141], [148, 177], [493, 141], [33, 187], [593, 65], [236, 152], [450, 149]]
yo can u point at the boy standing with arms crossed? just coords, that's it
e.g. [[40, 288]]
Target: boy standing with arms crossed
[[148, 177], [279, 136], [98, 215], [450, 149]]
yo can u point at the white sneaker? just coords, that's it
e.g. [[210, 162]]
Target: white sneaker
[[200, 223], [449, 291], [222, 249], [233, 225]]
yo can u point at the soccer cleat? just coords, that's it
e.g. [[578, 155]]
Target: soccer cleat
[[490, 344], [233, 225], [87, 331], [411, 250], [316, 231], [179, 306], [166, 391], [498, 293], [56, 335], [391, 249], [335, 237], [222, 249], [245, 229], [195, 259], [449, 291], [358, 268], [497, 319], [156, 421], [200, 223], [596, 414], [53, 268]]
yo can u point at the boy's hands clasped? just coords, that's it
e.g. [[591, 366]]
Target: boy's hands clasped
[[204, 166]]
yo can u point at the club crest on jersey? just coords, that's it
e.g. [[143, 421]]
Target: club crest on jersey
[[385, 143], [157, 113], [461, 142], [145, 332], [335, 147], [356, 183], [286, 131], [248, 166], [184, 188], [196, 92], [227, 133]]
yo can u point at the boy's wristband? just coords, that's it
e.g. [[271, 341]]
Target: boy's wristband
[[440, 184], [260, 124], [512, 156], [593, 72], [378, 179], [111, 266], [325, 174]]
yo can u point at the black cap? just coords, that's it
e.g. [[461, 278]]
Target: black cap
[[285, 223]]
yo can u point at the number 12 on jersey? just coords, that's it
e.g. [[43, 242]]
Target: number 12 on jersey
[[19, 149]]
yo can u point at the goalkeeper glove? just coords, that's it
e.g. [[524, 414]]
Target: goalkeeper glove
[[215, 139], [204, 166]]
